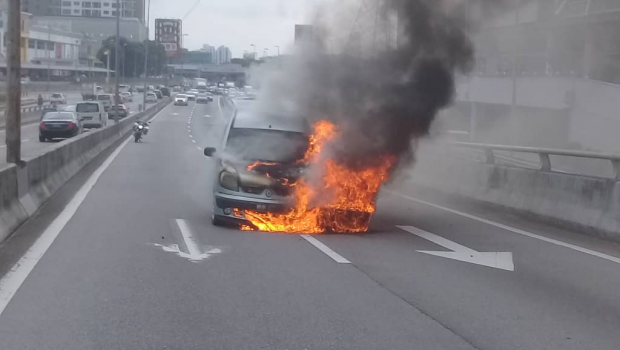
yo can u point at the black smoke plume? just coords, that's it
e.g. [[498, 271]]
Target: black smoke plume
[[383, 104]]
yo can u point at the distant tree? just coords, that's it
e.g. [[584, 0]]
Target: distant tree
[[132, 56]]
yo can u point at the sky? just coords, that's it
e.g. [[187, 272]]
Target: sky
[[237, 23]]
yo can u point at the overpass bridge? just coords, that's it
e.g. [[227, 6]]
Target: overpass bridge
[[211, 72]]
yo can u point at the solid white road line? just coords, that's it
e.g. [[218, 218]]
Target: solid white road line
[[325, 249], [10, 283], [514, 230]]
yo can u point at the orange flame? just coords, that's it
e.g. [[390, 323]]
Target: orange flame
[[342, 199]]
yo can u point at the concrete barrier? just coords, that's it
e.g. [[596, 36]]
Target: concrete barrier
[[587, 204], [24, 188]]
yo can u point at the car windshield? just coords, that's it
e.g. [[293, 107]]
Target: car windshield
[[56, 95], [104, 97], [58, 116], [87, 108], [266, 145], [181, 96]]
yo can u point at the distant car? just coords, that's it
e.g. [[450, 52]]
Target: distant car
[[126, 96], [150, 87], [202, 98], [140, 88], [106, 99], [48, 109], [165, 91], [176, 88], [124, 88], [92, 114], [180, 100], [192, 94], [59, 125], [58, 98], [121, 112], [158, 94], [151, 97], [210, 96], [68, 108]]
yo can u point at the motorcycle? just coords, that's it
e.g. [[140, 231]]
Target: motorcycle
[[139, 129]]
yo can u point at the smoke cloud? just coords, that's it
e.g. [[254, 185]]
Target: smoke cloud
[[383, 99]]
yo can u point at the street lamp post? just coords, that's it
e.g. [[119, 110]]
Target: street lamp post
[[254, 51], [116, 61], [146, 52]]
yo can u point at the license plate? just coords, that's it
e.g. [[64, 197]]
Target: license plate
[[261, 206]]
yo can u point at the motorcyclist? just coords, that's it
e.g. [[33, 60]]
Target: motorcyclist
[[145, 126]]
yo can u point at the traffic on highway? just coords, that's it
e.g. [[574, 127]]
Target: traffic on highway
[[357, 190]]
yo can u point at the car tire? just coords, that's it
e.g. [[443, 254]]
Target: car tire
[[42, 139], [217, 221]]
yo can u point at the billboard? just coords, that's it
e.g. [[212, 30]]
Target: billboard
[[169, 33]]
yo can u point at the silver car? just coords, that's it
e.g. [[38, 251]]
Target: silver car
[[259, 156]]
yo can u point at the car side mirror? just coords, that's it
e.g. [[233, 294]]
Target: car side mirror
[[210, 151]]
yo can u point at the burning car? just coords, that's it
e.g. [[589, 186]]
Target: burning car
[[257, 165]]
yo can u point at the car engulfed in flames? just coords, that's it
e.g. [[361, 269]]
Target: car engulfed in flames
[[329, 196]]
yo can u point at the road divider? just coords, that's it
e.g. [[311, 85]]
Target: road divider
[[590, 205], [25, 187]]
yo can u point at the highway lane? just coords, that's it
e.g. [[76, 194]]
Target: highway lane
[[112, 279], [31, 146]]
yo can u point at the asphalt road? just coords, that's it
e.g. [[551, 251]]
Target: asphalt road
[[31, 146], [112, 280]]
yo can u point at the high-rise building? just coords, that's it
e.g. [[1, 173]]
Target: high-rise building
[[91, 8], [222, 55], [42, 7]]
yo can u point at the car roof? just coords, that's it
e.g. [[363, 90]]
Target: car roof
[[252, 119]]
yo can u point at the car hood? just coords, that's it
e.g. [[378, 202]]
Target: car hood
[[266, 174]]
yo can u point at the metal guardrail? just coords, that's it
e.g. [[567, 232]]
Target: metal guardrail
[[543, 154], [27, 109]]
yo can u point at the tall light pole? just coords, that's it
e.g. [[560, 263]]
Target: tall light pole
[[107, 77], [124, 59], [182, 59], [49, 59], [116, 62], [278, 47], [13, 84], [254, 51], [146, 52], [265, 52]]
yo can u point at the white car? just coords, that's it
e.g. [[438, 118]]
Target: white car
[[58, 98], [126, 96], [180, 100], [151, 97], [92, 114]]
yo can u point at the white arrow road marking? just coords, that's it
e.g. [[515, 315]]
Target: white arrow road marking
[[193, 249], [207, 116], [498, 260], [175, 113]]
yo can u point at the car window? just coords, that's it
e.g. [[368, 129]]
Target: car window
[[87, 108], [103, 98], [56, 95], [58, 116], [266, 145]]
